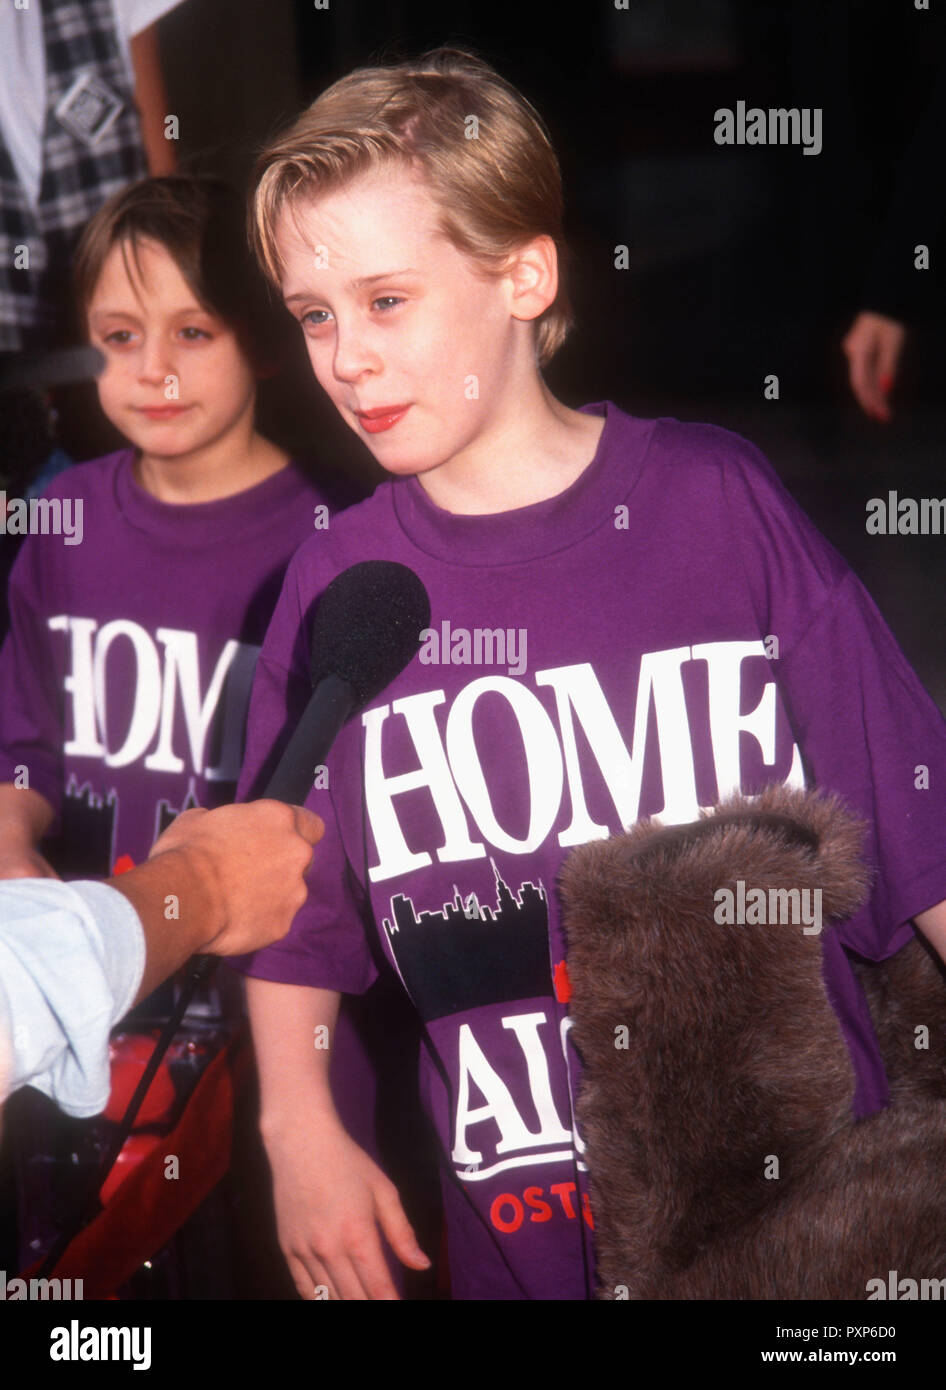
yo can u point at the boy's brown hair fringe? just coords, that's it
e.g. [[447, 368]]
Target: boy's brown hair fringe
[[201, 223]]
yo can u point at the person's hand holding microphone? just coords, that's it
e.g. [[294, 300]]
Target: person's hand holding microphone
[[236, 877]]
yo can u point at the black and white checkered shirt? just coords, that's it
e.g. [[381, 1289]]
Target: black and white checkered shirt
[[78, 172]]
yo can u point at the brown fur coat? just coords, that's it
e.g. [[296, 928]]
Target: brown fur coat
[[733, 1068]]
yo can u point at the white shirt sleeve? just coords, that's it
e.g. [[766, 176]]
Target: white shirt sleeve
[[131, 16], [72, 956], [23, 92]]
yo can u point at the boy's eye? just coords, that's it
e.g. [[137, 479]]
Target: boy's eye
[[121, 336], [387, 301]]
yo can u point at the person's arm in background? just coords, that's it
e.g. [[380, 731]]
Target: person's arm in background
[[25, 816], [31, 710], [873, 346], [330, 1196], [895, 293], [152, 102]]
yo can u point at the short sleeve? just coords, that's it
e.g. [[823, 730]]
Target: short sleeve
[[866, 728], [133, 16], [869, 730], [31, 713], [327, 944]]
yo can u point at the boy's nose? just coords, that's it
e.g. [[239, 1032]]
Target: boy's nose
[[156, 362], [353, 356]]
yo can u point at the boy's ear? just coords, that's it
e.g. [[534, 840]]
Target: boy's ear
[[533, 277]]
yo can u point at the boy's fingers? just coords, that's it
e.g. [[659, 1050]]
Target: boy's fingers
[[321, 1285], [347, 1280], [309, 1279], [372, 1270], [399, 1231]]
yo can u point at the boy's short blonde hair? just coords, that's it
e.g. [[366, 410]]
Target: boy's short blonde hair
[[496, 181]]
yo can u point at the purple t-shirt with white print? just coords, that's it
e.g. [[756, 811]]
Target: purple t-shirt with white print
[[636, 677], [126, 673]]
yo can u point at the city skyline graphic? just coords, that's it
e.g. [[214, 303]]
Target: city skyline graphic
[[470, 953]]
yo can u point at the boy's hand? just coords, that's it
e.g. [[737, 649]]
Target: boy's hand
[[331, 1199]]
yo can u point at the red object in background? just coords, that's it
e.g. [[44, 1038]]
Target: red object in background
[[123, 863], [130, 1054], [146, 1210], [561, 983], [135, 1148]]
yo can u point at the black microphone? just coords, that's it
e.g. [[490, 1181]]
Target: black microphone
[[367, 628], [37, 371]]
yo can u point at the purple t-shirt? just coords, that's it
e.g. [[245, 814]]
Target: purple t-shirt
[[126, 673], [597, 657]]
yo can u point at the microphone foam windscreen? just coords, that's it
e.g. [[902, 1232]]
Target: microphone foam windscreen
[[39, 370], [368, 625]]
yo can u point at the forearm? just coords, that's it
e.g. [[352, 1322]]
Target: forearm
[[177, 910], [151, 100], [25, 815], [932, 924], [289, 1022]]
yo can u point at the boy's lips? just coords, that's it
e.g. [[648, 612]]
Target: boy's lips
[[381, 417], [161, 412]]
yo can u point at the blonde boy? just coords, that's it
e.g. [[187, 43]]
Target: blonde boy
[[412, 221]]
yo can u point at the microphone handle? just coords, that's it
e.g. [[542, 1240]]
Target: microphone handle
[[330, 704]]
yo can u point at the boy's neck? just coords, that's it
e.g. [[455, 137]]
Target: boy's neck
[[209, 474], [528, 457]]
